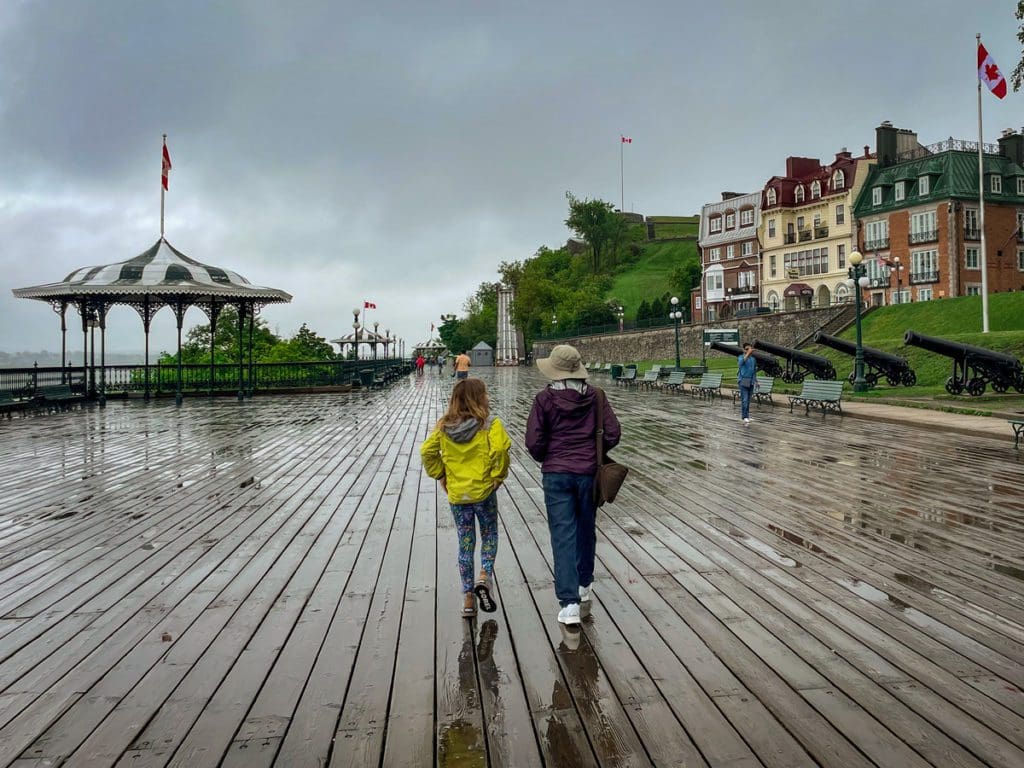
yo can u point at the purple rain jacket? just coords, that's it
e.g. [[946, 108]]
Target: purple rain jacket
[[560, 432]]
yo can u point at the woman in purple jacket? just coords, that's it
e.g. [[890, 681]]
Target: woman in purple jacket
[[561, 433]]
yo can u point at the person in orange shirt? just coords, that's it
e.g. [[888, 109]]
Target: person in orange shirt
[[462, 365]]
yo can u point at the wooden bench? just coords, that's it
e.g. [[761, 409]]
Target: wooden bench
[[675, 382], [821, 394], [694, 370], [709, 386], [762, 392], [1018, 431], [56, 396], [650, 379], [628, 377]]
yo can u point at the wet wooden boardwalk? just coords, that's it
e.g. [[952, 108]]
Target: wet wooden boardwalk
[[274, 583]]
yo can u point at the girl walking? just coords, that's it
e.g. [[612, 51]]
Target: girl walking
[[468, 453]]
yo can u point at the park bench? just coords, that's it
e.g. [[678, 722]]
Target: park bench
[[56, 397], [762, 392], [709, 386], [675, 382], [1018, 431], [9, 403], [606, 368], [821, 394], [628, 378], [694, 370], [650, 379]]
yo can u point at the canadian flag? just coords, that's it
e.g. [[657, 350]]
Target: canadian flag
[[989, 74], [369, 305], [167, 160], [628, 140]]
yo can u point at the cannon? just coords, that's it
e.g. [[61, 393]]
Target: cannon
[[879, 363], [798, 363], [765, 362], [973, 367]]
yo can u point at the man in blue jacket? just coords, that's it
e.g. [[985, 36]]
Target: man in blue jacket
[[746, 379], [561, 433]]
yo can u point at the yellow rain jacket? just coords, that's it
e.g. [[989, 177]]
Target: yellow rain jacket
[[470, 456]]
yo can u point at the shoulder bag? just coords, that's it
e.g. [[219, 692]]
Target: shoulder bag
[[610, 474]]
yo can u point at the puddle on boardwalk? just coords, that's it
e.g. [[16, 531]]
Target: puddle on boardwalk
[[460, 743]]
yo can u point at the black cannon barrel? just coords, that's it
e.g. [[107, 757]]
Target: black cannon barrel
[[765, 361], [816, 364], [960, 351], [849, 348]]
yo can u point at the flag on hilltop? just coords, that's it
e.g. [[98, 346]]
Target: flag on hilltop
[[628, 140], [369, 305], [167, 162], [431, 327], [989, 74]]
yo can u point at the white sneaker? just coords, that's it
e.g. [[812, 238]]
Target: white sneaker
[[746, 421], [570, 614], [585, 601]]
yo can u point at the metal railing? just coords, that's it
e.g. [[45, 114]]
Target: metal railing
[[879, 244], [572, 330], [925, 236], [947, 145], [820, 232], [805, 236], [972, 233], [789, 238], [924, 277]]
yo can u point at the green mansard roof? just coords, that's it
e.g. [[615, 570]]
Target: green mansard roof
[[952, 174]]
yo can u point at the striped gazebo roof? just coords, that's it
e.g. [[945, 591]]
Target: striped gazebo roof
[[161, 271]]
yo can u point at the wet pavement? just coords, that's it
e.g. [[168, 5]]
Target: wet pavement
[[275, 583]]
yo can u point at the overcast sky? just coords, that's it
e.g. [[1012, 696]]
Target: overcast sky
[[398, 152]]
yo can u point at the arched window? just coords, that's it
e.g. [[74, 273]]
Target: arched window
[[838, 180], [842, 293], [799, 196], [773, 301], [772, 198], [815, 190]]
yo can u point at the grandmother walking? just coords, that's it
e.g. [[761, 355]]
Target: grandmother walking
[[561, 433]]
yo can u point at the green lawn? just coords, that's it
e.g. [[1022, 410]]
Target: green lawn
[[648, 278]]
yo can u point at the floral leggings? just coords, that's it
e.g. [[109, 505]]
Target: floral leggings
[[486, 512]]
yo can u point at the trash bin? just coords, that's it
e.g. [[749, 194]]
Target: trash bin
[[366, 377], [615, 371]]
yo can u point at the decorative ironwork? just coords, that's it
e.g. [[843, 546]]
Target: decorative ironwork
[[926, 236], [947, 145], [820, 232], [924, 277], [972, 233], [789, 238], [878, 244]]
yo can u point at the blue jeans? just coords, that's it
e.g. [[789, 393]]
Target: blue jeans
[[745, 394], [569, 499]]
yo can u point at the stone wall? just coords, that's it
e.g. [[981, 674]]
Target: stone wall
[[785, 328]]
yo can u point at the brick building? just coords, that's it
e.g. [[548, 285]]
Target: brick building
[[730, 256]]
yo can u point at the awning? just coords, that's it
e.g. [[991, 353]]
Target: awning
[[798, 289]]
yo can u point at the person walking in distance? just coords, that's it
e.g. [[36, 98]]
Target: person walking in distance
[[462, 365], [420, 362], [468, 453], [560, 433], [746, 379]]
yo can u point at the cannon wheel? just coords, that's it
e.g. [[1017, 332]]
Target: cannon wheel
[[871, 378], [909, 378], [1000, 385], [892, 379], [953, 386], [830, 374], [1018, 383], [797, 377], [976, 387], [852, 377]]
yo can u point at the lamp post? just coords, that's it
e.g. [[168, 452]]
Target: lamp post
[[554, 324], [896, 267], [858, 274], [677, 315], [355, 332], [620, 313]]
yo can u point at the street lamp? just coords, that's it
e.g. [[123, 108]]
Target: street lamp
[[896, 268], [858, 274], [554, 324], [355, 332], [620, 313], [677, 315]]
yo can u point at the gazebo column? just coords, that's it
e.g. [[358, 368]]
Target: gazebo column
[[83, 310], [102, 311], [241, 332], [179, 311], [252, 325], [214, 313], [61, 309], [147, 316]]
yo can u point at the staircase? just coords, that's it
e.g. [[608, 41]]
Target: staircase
[[841, 319]]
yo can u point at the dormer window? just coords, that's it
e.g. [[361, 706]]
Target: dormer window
[[1020, 186], [730, 220], [746, 217], [799, 195], [772, 197], [876, 196], [923, 186], [716, 224], [838, 180], [996, 185], [900, 191], [815, 190]]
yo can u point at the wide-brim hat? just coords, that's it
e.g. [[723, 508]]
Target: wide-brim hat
[[563, 363]]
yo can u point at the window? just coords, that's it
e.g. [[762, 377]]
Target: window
[[799, 222], [771, 227], [923, 186], [716, 224], [714, 281], [815, 190], [838, 181], [730, 220], [973, 290], [746, 217], [771, 265], [876, 196], [971, 260], [772, 196], [1020, 186], [730, 251], [923, 228], [996, 184], [747, 248], [840, 214], [841, 256], [1020, 226], [923, 294], [810, 262], [924, 266], [876, 235], [715, 254], [799, 195], [971, 223], [746, 279], [900, 191], [817, 220], [1020, 259]]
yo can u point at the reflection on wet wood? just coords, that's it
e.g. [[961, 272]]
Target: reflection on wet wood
[[275, 583]]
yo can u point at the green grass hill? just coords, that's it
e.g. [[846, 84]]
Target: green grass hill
[[650, 276]]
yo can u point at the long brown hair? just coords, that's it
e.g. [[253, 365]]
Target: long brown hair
[[469, 401]]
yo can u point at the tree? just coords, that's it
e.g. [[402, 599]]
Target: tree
[[1017, 78], [597, 223], [305, 345], [643, 312], [684, 279], [196, 347]]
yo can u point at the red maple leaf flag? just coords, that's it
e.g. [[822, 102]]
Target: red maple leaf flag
[[167, 162], [626, 140], [989, 74], [369, 305]]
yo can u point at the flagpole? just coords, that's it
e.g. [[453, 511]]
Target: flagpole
[[981, 213], [622, 183], [162, 190]]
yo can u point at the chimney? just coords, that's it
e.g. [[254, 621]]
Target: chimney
[[1011, 146], [731, 195], [885, 144]]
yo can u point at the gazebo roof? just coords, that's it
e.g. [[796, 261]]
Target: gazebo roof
[[366, 336], [162, 272], [431, 344]]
